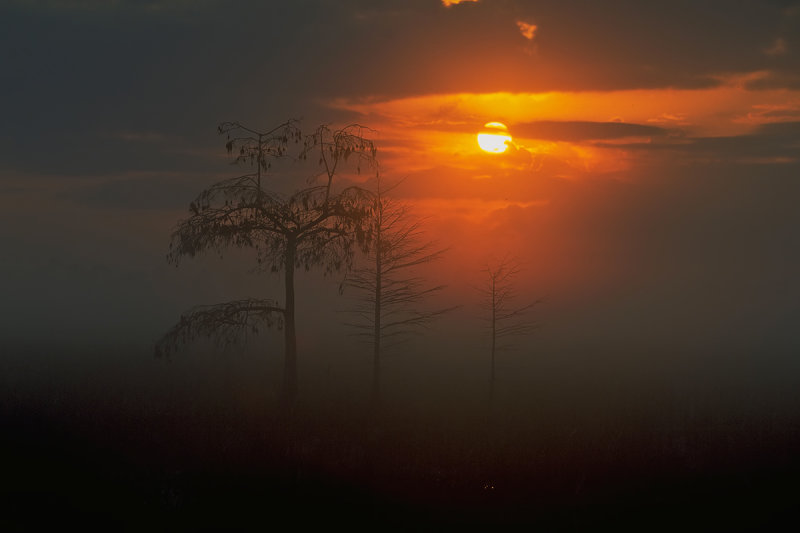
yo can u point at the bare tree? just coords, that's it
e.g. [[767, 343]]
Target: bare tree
[[389, 289], [317, 226], [506, 319]]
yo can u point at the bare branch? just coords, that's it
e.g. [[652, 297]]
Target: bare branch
[[224, 323], [254, 147], [386, 288], [504, 319]]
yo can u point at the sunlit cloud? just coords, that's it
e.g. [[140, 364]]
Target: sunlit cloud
[[709, 111], [766, 113], [578, 135], [677, 119], [469, 207], [448, 3], [527, 29]]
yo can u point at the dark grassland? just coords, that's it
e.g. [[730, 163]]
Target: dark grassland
[[140, 449]]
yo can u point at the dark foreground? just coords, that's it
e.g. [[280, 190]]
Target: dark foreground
[[107, 461], [188, 474]]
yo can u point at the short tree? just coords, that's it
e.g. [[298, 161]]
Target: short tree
[[390, 291], [316, 226]]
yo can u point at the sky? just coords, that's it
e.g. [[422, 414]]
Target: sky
[[648, 193]]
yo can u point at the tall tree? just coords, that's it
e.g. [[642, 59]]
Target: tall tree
[[316, 226], [390, 290], [505, 318]]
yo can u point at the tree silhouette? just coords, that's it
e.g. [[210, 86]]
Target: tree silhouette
[[316, 226], [389, 290], [504, 317]]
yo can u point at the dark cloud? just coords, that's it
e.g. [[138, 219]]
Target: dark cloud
[[85, 152], [775, 80], [768, 143], [778, 141], [394, 48], [148, 192], [564, 130], [577, 131]]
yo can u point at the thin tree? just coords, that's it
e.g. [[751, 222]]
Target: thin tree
[[316, 226], [390, 291], [505, 318]]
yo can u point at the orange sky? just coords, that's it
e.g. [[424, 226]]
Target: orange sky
[[615, 138]]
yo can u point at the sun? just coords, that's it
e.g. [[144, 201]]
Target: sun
[[494, 138]]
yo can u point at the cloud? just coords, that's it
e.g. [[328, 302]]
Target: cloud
[[577, 131], [675, 119], [410, 48], [777, 48], [527, 30], [73, 77], [448, 3], [82, 152], [773, 79], [140, 192], [765, 113], [773, 143], [89, 6], [142, 136]]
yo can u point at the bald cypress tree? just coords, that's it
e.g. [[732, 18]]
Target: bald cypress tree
[[389, 288], [504, 316], [318, 226]]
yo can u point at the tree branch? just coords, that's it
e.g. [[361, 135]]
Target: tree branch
[[225, 323]]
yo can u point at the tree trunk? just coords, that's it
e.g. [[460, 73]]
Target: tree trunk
[[494, 341], [289, 335], [376, 352]]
